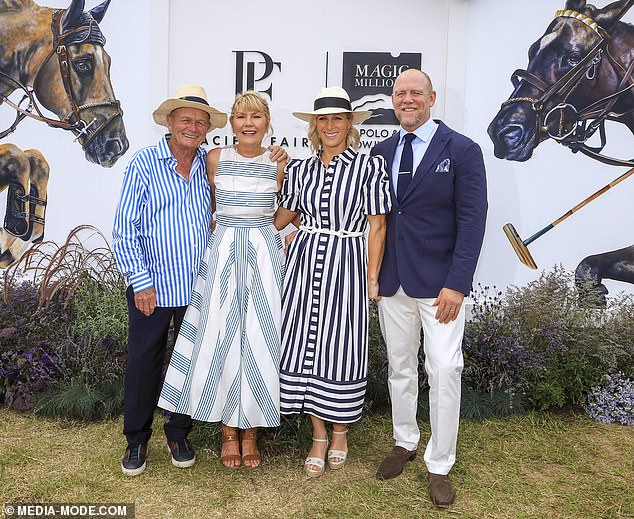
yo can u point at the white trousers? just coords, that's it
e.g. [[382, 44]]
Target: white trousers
[[401, 318]]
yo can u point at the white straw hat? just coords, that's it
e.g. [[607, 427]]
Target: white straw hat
[[189, 96], [333, 100]]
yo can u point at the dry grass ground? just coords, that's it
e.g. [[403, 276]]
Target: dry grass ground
[[537, 465]]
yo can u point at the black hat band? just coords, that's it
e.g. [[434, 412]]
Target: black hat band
[[194, 99], [332, 102]]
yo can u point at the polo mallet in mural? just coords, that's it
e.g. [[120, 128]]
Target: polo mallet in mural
[[579, 75], [56, 59], [521, 247]]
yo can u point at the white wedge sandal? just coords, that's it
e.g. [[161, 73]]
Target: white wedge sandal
[[337, 459], [317, 462]]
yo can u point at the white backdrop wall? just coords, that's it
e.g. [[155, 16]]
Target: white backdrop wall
[[468, 47], [298, 36]]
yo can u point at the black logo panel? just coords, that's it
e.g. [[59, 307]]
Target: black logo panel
[[369, 77]]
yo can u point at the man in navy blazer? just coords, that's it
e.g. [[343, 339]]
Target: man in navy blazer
[[434, 237]]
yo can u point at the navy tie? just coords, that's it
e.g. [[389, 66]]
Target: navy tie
[[406, 166]]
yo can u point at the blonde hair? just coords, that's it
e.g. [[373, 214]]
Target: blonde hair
[[251, 101], [354, 139]]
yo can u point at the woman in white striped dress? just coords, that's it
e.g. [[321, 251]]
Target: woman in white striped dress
[[331, 273], [226, 359]]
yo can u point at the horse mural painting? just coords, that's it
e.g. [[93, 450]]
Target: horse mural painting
[[579, 75], [54, 57]]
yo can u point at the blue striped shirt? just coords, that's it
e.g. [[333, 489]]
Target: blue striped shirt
[[162, 224]]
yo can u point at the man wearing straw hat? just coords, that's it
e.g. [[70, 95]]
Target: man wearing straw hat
[[161, 228], [434, 237]]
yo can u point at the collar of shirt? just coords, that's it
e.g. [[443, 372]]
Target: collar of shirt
[[164, 152], [346, 156], [424, 135], [424, 132]]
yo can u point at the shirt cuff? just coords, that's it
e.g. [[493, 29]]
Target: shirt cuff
[[141, 281]]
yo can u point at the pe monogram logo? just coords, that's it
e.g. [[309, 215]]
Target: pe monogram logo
[[253, 68], [369, 77]]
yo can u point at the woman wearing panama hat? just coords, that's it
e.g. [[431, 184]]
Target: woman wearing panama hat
[[339, 195]]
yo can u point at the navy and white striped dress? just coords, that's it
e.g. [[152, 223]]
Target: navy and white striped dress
[[325, 300], [225, 364]]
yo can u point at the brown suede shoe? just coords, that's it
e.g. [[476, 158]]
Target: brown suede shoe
[[394, 463], [441, 491]]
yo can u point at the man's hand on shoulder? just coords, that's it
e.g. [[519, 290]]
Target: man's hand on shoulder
[[448, 302], [145, 301]]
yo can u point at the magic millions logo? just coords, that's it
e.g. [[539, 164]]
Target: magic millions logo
[[368, 77]]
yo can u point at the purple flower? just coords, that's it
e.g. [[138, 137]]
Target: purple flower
[[24, 373], [612, 401]]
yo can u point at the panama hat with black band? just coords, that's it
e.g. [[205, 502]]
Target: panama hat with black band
[[190, 96], [333, 100]]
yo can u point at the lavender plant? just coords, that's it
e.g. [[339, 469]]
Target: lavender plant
[[62, 336], [497, 351], [23, 374], [23, 324], [613, 400]]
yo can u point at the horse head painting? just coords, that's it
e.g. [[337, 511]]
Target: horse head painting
[[579, 75], [54, 58]]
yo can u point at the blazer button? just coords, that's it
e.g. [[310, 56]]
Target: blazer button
[[400, 211]]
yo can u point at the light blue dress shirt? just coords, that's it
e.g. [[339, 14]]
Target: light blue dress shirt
[[420, 144]]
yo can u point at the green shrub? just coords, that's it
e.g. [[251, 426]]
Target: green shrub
[[77, 400], [566, 379], [478, 405], [90, 360], [536, 341], [100, 311], [532, 346], [552, 303], [63, 336]]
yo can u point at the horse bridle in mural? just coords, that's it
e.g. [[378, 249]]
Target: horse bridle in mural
[[73, 121], [579, 76], [575, 126], [54, 59]]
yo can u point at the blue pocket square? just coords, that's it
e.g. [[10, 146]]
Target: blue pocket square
[[444, 166]]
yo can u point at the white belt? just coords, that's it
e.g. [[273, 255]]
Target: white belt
[[340, 234]]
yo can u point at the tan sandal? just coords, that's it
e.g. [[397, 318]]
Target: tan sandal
[[336, 458], [230, 438], [254, 459], [320, 463]]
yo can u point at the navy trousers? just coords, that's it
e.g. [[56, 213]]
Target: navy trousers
[[147, 342]]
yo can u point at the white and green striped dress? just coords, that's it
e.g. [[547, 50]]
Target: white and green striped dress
[[225, 365]]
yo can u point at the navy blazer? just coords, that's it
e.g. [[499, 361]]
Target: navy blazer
[[434, 235]]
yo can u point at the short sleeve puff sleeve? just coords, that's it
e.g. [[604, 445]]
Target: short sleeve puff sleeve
[[377, 188], [289, 194]]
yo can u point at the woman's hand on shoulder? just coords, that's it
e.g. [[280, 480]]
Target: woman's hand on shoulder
[[278, 154], [281, 174]]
